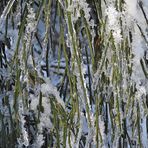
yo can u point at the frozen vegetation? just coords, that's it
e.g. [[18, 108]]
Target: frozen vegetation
[[73, 73]]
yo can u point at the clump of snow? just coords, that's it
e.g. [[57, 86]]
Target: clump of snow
[[39, 141], [113, 23], [131, 7], [48, 88], [134, 17]]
